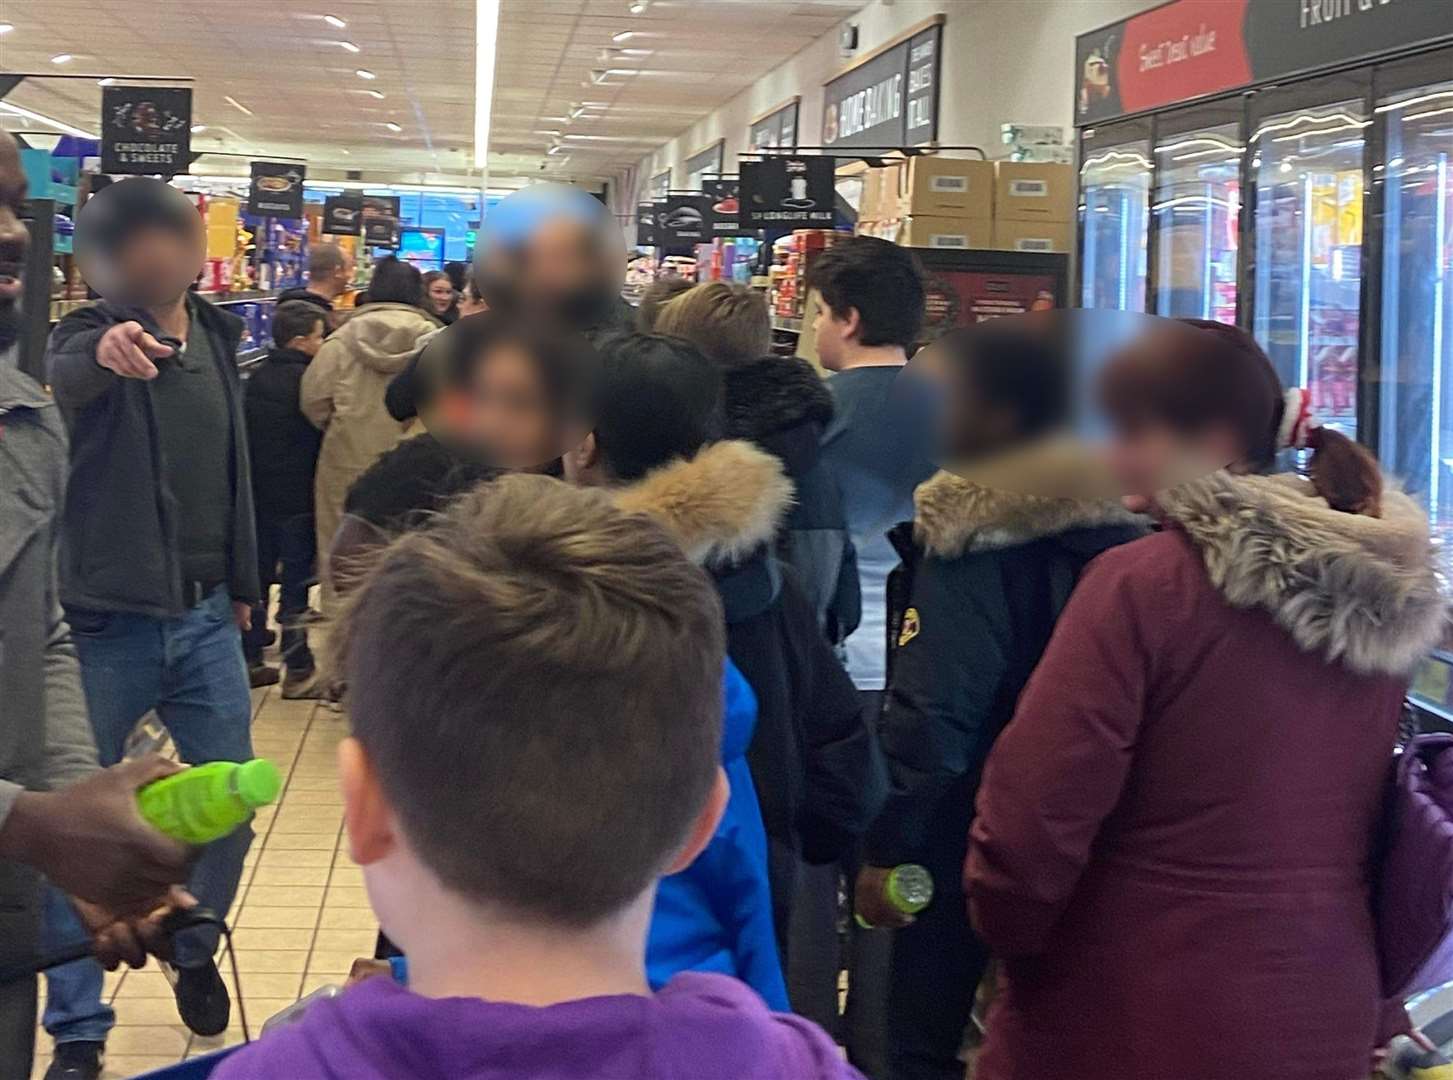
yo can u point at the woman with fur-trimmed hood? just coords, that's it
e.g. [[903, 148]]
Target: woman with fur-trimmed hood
[[1175, 837], [987, 565]]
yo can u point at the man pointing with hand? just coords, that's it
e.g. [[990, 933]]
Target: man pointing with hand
[[158, 562]]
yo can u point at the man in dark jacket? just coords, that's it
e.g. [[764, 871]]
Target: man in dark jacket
[[284, 446], [158, 561], [816, 764]]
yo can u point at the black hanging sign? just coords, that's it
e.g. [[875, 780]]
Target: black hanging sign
[[381, 221], [888, 98], [646, 225], [342, 215], [726, 210], [788, 193], [776, 130], [146, 130], [277, 190], [685, 220]]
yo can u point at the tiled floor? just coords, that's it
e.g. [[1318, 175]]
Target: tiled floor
[[301, 916]]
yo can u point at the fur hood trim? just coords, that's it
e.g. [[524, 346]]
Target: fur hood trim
[[955, 516], [720, 506], [773, 394], [1360, 590]]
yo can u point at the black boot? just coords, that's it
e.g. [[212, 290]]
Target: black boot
[[76, 1061]]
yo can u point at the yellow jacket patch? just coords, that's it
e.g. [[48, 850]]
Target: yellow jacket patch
[[910, 627]]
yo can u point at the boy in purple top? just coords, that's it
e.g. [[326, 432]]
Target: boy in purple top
[[535, 692]]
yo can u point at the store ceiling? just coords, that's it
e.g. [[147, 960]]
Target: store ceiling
[[271, 77]]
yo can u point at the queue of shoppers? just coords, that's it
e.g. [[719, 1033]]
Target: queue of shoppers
[[664, 656]]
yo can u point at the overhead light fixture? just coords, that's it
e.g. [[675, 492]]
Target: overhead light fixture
[[376, 94], [62, 58], [393, 127], [348, 45], [108, 81], [335, 22], [486, 44], [237, 105], [364, 73], [197, 129], [639, 7], [40, 119], [547, 131], [624, 35], [6, 27]]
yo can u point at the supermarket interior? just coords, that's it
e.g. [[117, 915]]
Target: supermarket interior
[[1284, 167]]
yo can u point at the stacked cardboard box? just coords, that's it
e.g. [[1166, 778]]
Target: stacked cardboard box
[[955, 203], [1034, 206]]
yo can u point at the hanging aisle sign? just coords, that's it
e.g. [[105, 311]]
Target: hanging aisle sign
[[381, 221], [277, 190], [685, 220], [889, 97], [146, 130], [703, 163], [646, 225], [726, 211], [342, 215], [776, 129], [1193, 48], [788, 193]]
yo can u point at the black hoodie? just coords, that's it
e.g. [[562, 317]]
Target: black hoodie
[[782, 404]]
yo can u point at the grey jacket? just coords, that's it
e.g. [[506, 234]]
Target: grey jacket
[[116, 478], [45, 740]]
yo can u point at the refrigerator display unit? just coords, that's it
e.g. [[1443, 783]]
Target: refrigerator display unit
[[1115, 173], [1414, 338], [1197, 213], [1307, 147]]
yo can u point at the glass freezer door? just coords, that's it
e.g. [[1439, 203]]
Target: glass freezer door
[[1114, 216], [1416, 402], [1308, 273], [1197, 218]]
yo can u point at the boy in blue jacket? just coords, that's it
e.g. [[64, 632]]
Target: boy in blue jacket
[[716, 915]]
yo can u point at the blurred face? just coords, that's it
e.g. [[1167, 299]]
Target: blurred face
[[441, 295], [155, 265], [310, 344], [558, 268], [511, 413], [470, 303], [14, 239], [1147, 456]]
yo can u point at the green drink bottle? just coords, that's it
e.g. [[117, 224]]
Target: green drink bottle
[[909, 888], [206, 802]]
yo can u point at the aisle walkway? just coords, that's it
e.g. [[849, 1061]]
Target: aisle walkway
[[301, 916]]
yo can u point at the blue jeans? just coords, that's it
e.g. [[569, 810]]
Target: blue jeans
[[188, 668], [290, 545]]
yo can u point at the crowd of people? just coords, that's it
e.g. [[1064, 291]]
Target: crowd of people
[[663, 655]]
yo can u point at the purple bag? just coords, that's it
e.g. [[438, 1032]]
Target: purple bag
[[1413, 903]]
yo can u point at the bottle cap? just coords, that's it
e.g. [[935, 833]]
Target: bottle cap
[[257, 782]]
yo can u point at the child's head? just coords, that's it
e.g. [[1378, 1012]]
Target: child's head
[[729, 323], [299, 325], [516, 392], [655, 399], [535, 693], [1009, 383]]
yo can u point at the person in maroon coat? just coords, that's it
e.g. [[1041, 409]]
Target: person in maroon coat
[[1174, 837]]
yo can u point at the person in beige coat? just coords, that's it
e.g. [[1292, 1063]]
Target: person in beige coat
[[343, 388]]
